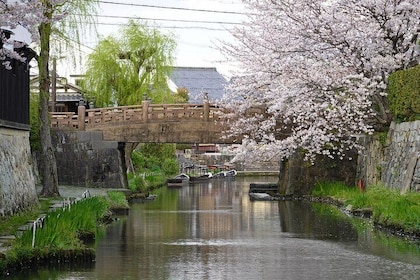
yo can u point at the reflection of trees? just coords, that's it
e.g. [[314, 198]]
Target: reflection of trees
[[106, 268], [196, 228], [300, 217], [201, 213]]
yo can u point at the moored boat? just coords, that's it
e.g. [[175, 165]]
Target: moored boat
[[223, 174], [178, 181], [260, 196], [201, 178]]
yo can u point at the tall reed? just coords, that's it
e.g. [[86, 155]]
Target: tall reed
[[61, 228]]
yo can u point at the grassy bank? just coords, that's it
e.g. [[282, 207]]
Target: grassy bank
[[10, 224], [388, 207], [62, 235]]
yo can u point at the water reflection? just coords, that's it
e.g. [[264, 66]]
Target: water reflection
[[213, 231]]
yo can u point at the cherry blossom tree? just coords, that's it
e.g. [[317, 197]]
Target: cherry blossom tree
[[45, 19], [319, 70]]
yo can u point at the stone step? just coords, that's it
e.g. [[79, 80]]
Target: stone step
[[6, 241], [7, 238]]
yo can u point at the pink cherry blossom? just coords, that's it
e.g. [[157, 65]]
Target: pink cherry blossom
[[320, 69]]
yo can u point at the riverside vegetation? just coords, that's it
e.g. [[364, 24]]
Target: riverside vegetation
[[66, 235], [389, 210], [152, 163], [63, 235]]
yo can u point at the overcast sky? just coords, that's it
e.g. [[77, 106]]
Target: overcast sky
[[196, 25]]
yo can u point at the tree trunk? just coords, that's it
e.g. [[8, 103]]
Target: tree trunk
[[129, 148], [48, 161]]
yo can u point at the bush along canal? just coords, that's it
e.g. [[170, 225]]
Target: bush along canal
[[63, 235]]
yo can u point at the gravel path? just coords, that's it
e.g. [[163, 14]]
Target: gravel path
[[74, 192]]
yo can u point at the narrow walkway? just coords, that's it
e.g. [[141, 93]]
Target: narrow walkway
[[75, 192]]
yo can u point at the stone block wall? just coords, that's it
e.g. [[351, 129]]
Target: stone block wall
[[401, 165], [17, 183], [370, 160], [85, 159], [298, 177]]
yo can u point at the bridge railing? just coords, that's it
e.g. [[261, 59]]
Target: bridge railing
[[64, 120], [135, 113]]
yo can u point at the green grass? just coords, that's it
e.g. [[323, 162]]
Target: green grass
[[140, 183], [390, 208], [10, 224], [336, 190], [59, 235], [62, 227], [118, 200]]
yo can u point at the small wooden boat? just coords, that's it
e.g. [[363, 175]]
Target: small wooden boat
[[201, 178], [151, 197], [260, 196], [178, 181], [224, 174], [231, 173]]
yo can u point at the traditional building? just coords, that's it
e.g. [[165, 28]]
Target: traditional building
[[17, 183], [201, 82], [64, 97]]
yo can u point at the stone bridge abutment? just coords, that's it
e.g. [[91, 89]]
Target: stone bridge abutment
[[90, 145]]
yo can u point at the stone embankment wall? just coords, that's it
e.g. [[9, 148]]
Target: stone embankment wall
[[298, 177], [17, 184], [393, 161], [85, 159], [370, 160], [401, 165]]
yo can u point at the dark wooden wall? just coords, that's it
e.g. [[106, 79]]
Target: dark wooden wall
[[14, 95]]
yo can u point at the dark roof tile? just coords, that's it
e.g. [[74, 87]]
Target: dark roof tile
[[199, 80]]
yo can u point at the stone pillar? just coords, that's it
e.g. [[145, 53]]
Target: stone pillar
[[206, 109], [81, 111]]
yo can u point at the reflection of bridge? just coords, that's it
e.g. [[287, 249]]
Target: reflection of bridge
[[164, 123]]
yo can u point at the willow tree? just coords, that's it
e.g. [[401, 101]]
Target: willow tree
[[45, 19], [125, 68]]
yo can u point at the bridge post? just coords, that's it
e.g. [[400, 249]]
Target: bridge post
[[206, 109], [81, 111], [145, 110]]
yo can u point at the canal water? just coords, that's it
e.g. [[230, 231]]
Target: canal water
[[213, 231]]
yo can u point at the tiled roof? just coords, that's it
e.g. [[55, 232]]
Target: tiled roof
[[65, 92], [199, 80]]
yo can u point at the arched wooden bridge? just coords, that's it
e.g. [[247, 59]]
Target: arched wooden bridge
[[159, 123]]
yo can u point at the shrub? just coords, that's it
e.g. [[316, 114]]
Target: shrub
[[403, 93], [138, 160], [170, 166], [136, 182]]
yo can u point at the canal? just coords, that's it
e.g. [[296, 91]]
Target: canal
[[213, 231]]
